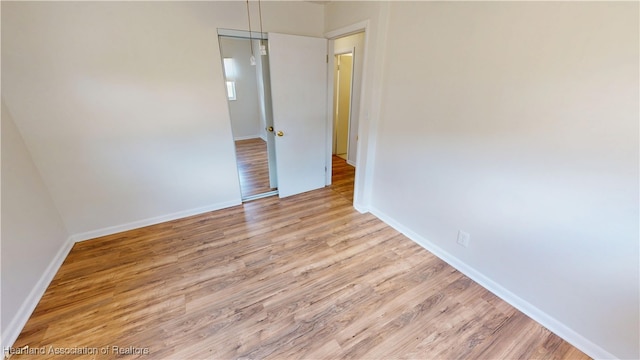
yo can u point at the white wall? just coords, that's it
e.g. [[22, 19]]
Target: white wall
[[518, 123], [123, 106], [34, 240], [244, 111], [349, 43]]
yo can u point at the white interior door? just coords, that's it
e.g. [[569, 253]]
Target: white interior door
[[298, 72]]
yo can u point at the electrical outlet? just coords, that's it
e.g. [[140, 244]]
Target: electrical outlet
[[463, 238]]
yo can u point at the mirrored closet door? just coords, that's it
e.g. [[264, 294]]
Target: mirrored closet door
[[246, 71]]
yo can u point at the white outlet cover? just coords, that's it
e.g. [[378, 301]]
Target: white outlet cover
[[463, 238]]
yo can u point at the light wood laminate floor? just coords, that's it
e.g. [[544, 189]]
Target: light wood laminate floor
[[305, 277], [342, 178], [253, 166]]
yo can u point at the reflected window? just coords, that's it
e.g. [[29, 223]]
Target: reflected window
[[231, 90]]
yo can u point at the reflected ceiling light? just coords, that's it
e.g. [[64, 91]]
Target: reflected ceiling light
[[252, 59], [263, 48]]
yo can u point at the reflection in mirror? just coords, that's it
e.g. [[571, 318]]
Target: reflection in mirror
[[249, 95]]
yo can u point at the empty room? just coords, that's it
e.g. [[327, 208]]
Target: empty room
[[320, 180]]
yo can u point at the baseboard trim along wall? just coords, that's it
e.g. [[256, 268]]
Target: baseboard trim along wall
[[151, 221], [11, 333], [555, 326], [16, 325], [361, 208]]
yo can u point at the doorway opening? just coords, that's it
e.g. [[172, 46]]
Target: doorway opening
[[248, 94], [342, 87], [348, 64]]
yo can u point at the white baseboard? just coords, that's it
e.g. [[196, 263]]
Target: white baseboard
[[361, 208], [11, 333], [352, 163], [549, 322], [151, 221], [247, 137]]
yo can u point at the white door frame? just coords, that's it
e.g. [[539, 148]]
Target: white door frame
[[360, 201]]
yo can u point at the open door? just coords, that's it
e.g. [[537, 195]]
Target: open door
[[298, 72]]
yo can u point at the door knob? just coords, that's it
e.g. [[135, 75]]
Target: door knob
[[280, 133], [270, 129]]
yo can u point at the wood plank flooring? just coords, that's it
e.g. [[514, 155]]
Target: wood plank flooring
[[253, 166], [342, 177], [305, 277]]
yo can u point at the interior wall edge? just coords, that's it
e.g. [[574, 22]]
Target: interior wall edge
[[37, 165], [571, 336], [19, 320], [371, 106], [152, 221]]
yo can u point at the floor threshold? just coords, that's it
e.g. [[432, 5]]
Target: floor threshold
[[259, 196]]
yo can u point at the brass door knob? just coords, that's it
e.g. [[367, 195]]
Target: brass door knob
[[270, 129], [280, 133]]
